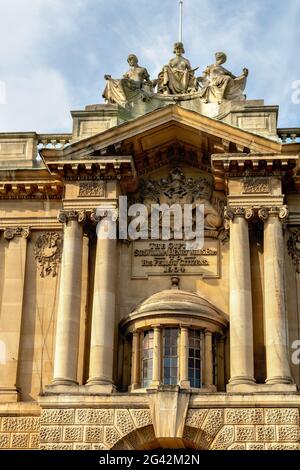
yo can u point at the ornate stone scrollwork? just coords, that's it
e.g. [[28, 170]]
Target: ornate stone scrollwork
[[66, 216], [232, 212], [263, 214], [10, 233], [256, 186], [47, 252], [294, 248], [92, 189], [281, 212], [98, 214]]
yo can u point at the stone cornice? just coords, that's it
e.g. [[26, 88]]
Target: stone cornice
[[231, 165]]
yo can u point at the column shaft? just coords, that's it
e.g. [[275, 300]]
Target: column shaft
[[103, 315], [241, 327], [221, 364], [208, 356], [135, 361], [184, 358], [278, 368], [156, 378], [68, 316]]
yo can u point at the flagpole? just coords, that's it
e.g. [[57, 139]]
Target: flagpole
[[180, 20]]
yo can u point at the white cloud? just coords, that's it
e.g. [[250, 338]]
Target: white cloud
[[38, 101], [64, 47]]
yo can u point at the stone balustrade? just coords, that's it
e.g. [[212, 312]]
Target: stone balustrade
[[289, 135]]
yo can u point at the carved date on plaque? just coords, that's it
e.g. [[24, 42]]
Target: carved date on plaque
[[92, 189], [47, 252], [165, 258]]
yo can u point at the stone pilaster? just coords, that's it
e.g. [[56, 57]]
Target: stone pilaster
[[69, 307], [275, 319], [241, 320], [11, 311], [103, 315]]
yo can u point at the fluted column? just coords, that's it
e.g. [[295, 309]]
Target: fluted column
[[241, 321], [278, 368], [103, 314], [156, 378], [208, 357], [11, 311], [69, 307], [135, 361], [184, 358]]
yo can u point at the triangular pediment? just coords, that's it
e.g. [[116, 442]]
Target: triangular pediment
[[170, 135], [166, 125]]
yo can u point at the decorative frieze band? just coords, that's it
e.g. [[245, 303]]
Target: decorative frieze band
[[66, 216], [10, 233]]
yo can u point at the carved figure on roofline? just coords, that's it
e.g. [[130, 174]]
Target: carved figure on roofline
[[135, 83], [177, 77], [220, 84]]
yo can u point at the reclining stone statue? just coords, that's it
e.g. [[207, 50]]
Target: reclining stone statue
[[177, 77], [219, 84], [135, 83]]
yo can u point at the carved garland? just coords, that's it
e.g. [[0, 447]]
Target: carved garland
[[47, 252]]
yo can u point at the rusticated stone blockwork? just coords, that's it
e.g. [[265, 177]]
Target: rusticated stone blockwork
[[100, 429], [19, 432]]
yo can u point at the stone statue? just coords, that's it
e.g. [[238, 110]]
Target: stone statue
[[177, 77], [136, 82], [219, 84]]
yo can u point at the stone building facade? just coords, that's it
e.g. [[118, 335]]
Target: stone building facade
[[140, 344]]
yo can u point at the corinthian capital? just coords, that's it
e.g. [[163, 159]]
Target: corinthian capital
[[281, 212], [98, 214], [11, 233], [66, 216], [232, 212]]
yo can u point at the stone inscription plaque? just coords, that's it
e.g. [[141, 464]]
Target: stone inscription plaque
[[164, 258]]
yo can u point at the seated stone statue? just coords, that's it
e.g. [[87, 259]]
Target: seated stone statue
[[136, 82], [177, 77], [219, 84]]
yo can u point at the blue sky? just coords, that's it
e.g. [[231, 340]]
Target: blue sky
[[54, 53]]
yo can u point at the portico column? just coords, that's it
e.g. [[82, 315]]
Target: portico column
[[208, 356], [278, 368], [184, 358], [135, 361], [11, 313], [241, 321], [156, 377], [103, 314], [68, 316]]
